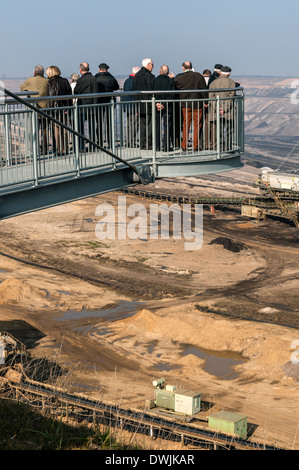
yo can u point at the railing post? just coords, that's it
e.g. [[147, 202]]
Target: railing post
[[242, 121], [35, 146], [218, 127], [121, 109], [7, 124], [112, 127], [154, 137], [76, 127]]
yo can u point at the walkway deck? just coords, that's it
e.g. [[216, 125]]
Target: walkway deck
[[31, 179]]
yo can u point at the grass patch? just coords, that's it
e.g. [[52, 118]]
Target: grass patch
[[23, 428], [89, 244], [141, 259], [93, 244]]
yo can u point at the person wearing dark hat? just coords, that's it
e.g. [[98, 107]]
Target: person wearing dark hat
[[106, 83], [226, 108], [215, 74]]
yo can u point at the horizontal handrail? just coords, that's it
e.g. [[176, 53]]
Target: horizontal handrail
[[120, 94]]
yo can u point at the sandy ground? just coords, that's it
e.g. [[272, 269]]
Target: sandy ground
[[116, 314]]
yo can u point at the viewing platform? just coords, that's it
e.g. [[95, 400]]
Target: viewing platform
[[51, 156]]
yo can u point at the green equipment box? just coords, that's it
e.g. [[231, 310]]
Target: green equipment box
[[229, 423]]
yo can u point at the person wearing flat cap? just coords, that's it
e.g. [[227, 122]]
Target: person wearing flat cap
[[226, 108], [215, 74], [106, 84], [223, 81]]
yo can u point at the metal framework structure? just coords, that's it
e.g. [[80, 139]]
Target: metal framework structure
[[51, 400], [56, 155]]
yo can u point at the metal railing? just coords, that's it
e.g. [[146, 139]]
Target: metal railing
[[38, 144]]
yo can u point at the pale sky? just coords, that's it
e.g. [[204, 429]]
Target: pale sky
[[253, 38]]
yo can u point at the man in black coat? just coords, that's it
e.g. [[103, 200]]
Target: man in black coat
[[164, 108], [86, 84], [142, 82], [106, 84]]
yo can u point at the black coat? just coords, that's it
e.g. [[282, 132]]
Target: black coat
[[106, 84], [142, 82], [85, 85], [191, 81], [161, 83], [58, 86]]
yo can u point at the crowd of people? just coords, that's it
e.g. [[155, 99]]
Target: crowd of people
[[140, 79]]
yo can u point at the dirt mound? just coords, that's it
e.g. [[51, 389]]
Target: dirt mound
[[15, 290], [228, 244], [144, 319]]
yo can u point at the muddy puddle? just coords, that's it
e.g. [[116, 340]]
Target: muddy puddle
[[120, 311], [219, 364]]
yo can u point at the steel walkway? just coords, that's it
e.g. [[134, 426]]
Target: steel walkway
[[90, 150]]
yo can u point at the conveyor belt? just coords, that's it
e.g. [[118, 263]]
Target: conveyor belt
[[141, 422], [268, 204], [205, 200]]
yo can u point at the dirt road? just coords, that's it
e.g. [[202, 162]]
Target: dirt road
[[116, 314]]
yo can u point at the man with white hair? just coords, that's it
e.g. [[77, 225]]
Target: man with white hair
[[142, 82]]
